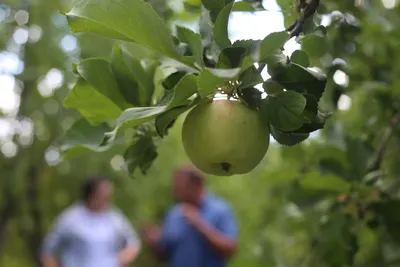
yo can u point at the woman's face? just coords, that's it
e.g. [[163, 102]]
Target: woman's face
[[103, 195]]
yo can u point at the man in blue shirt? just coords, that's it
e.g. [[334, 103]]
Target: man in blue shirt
[[199, 231], [91, 233]]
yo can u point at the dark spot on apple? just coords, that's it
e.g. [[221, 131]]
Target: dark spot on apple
[[226, 166]]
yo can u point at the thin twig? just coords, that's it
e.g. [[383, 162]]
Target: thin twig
[[376, 163], [296, 28]]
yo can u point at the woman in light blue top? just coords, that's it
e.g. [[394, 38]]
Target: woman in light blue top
[[91, 233]]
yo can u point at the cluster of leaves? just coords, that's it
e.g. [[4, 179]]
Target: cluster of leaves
[[151, 79]]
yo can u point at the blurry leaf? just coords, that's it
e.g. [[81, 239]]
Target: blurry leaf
[[136, 85], [192, 8], [140, 155], [214, 6], [302, 80], [193, 39], [330, 165], [284, 110], [358, 154], [131, 118], [221, 27], [83, 137], [288, 139], [98, 73], [185, 88], [250, 77], [288, 8], [309, 25], [330, 182], [273, 42], [271, 87], [243, 6], [300, 57], [210, 79], [231, 57], [314, 45], [124, 19], [337, 242], [251, 97], [92, 104], [389, 211]]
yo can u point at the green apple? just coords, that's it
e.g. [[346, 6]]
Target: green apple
[[224, 137]]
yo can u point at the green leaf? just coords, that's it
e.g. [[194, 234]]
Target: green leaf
[[137, 51], [99, 74], [330, 182], [249, 44], [92, 104], [165, 120], [214, 6], [231, 57], [140, 155], [272, 43], [288, 8], [318, 122], [221, 27], [184, 89], [276, 63], [358, 155], [302, 80], [243, 6], [284, 110], [300, 57], [131, 118], [271, 87], [314, 45], [83, 137], [210, 79], [311, 109], [123, 19], [172, 80], [309, 25], [193, 39], [250, 77], [288, 139], [388, 210], [251, 97], [135, 83]]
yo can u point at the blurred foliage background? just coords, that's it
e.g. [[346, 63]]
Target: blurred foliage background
[[330, 201]]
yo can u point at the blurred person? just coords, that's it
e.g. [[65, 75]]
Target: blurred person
[[91, 233], [199, 231]]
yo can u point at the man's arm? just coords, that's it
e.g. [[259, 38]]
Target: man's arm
[[154, 240], [223, 240], [157, 239], [51, 244]]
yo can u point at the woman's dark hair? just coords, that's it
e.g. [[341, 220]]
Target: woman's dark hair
[[90, 185]]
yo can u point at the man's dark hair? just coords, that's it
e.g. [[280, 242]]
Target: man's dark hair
[[90, 185], [194, 175]]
